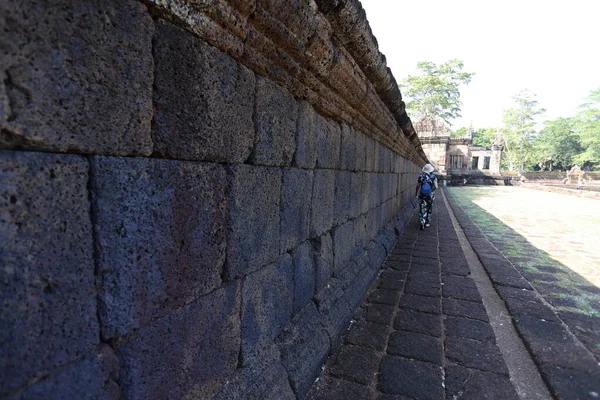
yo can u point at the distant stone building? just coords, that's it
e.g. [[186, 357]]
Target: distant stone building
[[458, 156]]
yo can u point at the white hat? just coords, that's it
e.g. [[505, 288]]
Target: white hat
[[428, 168]]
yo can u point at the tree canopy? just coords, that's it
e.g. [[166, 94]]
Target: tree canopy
[[434, 93], [519, 130]]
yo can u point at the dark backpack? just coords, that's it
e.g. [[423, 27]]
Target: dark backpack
[[426, 185]]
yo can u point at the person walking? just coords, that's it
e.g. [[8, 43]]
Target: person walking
[[427, 183]]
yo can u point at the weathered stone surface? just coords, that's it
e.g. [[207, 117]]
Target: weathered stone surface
[[204, 104], [93, 377], [470, 384], [323, 256], [467, 309], [361, 150], [469, 329], [296, 204], [48, 313], [412, 378], [190, 351], [304, 275], [348, 149], [309, 125], [570, 384], [356, 194], [160, 226], [421, 303], [268, 380], [356, 363], [254, 218], [267, 306], [275, 120], [416, 346], [341, 201], [330, 388], [485, 356], [384, 296], [329, 139], [321, 218], [343, 243], [419, 322], [76, 77], [304, 345], [368, 334], [380, 313]]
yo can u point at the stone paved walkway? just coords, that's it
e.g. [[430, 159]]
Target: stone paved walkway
[[424, 331]]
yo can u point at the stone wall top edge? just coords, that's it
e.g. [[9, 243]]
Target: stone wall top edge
[[304, 42]]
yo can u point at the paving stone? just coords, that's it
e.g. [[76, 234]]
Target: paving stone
[[423, 288], [510, 280], [391, 284], [585, 327], [551, 343], [397, 265], [505, 292], [393, 274], [383, 296], [421, 303], [398, 257], [459, 281], [428, 277], [422, 255], [475, 354], [570, 384], [428, 268], [416, 379], [416, 346], [466, 309], [462, 293], [356, 363], [331, 388], [73, 82], [408, 320], [535, 276], [368, 334], [461, 270], [467, 328], [470, 384], [518, 307], [47, 291], [380, 313]]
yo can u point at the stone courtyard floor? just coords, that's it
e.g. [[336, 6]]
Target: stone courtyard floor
[[498, 299]]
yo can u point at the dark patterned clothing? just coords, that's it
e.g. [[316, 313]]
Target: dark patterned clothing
[[426, 202]]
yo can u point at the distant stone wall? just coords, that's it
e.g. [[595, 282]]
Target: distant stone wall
[[194, 196]]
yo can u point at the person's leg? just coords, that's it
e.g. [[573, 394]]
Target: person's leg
[[422, 211], [429, 210]]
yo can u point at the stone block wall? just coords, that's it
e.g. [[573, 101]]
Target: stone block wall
[[193, 199]]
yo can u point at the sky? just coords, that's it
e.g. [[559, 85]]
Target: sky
[[550, 47]]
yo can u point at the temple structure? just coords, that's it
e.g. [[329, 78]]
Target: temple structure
[[458, 157]]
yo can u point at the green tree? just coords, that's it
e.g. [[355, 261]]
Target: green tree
[[587, 127], [484, 137], [519, 130], [557, 145], [434, 93]]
